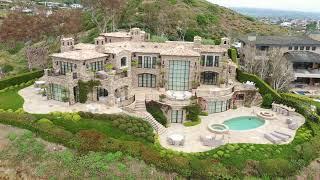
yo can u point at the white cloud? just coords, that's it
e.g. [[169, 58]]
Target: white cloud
[[299, 5]]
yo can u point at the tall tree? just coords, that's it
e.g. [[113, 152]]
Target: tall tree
[[104, 12], [271, 66]]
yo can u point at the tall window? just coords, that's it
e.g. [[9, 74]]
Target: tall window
[[65, 67], [123, 61], [176, 116], [96, 66], [147, 80], [314, 48], [58, 92], [147, 62], [209, 61], [203, 59], [139, 61], [178, 75], [209, 78], [216, 61], [218, 106]]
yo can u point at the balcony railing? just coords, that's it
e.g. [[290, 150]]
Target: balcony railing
[[127, 101]]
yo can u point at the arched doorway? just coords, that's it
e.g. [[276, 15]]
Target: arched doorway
[[102, 93]]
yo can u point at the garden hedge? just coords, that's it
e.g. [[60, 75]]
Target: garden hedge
[[232, 52], [264, 88], [21, 78]]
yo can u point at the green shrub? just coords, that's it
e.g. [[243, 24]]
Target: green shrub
[[204, 113], [264, 88], [21, 78], [76, 118], [158, 39], [193, 112], [267, 101], [191, 123], [232, 52], [155, 110], [45, 122], [16, 48], [276, 167]]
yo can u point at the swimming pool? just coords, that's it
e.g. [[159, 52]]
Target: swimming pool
[[244, 123]]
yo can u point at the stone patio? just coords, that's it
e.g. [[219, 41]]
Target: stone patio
[[35, 103], [255, 136]]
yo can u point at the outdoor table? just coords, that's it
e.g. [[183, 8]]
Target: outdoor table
[[176, 139]]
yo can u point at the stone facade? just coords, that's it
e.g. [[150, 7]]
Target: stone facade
[[183, 68]]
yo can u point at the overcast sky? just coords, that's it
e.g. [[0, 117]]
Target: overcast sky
[[299, 5]]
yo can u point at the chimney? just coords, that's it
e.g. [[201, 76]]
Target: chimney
[[99, 42], [197, 41], [67, 44], [225, 42]]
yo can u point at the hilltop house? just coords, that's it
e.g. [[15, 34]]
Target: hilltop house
[[302, 52], [132, 71]]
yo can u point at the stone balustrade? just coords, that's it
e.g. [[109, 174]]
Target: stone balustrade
[[282, 109]]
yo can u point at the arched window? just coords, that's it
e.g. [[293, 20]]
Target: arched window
[[123, 61]]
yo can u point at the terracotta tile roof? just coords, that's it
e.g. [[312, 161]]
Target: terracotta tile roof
[[80, 55], [117, 34]]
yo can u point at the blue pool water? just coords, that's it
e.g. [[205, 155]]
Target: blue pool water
[[244, 123]]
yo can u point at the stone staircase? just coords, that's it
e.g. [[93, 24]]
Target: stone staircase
[[140, 105], [159, 128], [140, 110]]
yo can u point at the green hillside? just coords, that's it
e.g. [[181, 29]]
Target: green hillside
[[191, 17]]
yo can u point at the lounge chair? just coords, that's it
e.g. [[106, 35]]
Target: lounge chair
[[284, 134], [293, 126], [170, 141], [182, 141], [272, 138], [282, 137]]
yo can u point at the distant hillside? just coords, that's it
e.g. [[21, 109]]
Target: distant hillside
[[192, 17], [277, 13]]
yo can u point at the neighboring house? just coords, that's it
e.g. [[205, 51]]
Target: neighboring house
[[132, 71], [303, 52], [5, 3]]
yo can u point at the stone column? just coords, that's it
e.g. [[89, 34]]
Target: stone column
[[71, 95], [94, 94]]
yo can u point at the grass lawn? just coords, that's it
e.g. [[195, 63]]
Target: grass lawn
[[11, 99]]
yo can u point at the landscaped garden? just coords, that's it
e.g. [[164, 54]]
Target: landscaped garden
[[85, 132]]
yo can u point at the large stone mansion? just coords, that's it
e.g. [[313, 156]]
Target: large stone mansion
[[132, 70]]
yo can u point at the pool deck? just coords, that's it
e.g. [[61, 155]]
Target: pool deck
[[254, 136]]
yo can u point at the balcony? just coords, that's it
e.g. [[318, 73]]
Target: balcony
[[115, 75], [214, 91], [307, 73]]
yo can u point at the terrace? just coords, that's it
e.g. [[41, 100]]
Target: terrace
[[192, 135]]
